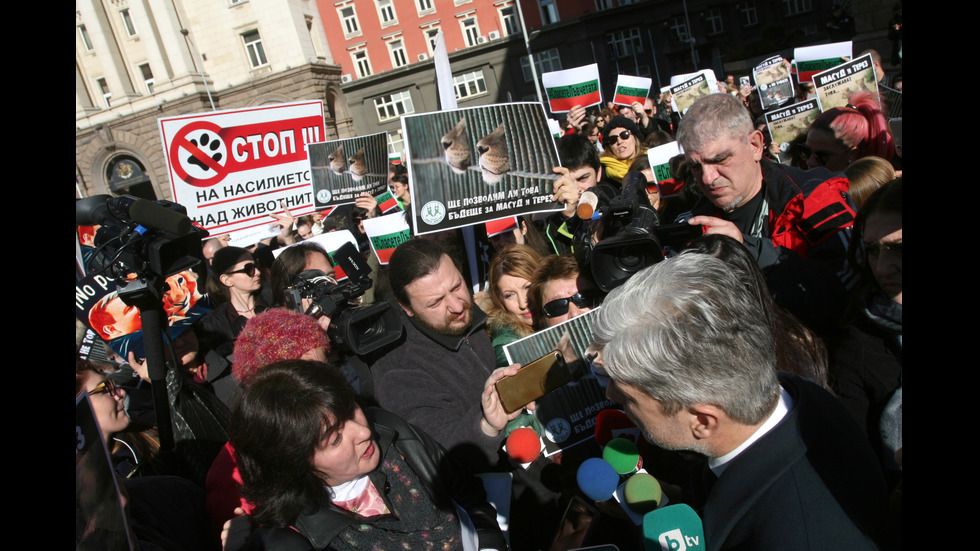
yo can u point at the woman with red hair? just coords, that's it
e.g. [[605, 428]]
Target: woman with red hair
[[842, 135]]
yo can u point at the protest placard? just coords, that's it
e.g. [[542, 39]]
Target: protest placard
[[773, 82], [232, 169], [631, 89], [689, 88], [385, 234], [568, 414], [99, 306], [810, 60], [659, 158], [469, 166], [834, 86], [571, 87], [387, 202], [790, 122], [343, 169]]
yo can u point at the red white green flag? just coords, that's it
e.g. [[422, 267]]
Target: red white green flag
[[387, 202], [571, 87], [386, 233], [631, 89]]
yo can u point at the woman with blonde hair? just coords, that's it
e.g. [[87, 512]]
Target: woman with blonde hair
[[507, 301]]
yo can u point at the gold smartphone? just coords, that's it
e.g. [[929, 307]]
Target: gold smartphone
[[533, 381]]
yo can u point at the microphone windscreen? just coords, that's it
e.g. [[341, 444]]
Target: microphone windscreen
[[597, 479], [622, 455], [642, 493], [673, 527], [587, 204], [152, 215], [523, 445]]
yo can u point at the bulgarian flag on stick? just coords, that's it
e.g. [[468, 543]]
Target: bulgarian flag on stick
[[386, 202], [571, 87], [631, 89]]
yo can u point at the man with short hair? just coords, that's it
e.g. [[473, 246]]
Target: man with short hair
[[440, 376], [692, 360], [580, 172], [794, 222]]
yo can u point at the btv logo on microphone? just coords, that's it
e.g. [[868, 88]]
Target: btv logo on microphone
[[675, 540]]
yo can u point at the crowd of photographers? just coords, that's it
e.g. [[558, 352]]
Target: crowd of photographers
[[412, 339]]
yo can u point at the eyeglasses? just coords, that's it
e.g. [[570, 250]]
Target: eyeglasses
[[248, 269], [106, 386], [649, 111], [581, 299], [613, 138]]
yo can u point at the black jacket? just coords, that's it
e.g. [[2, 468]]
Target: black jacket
[[441, 478]]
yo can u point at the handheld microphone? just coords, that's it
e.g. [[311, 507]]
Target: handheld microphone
[[622, 455], [673, 528], [597, 479], [523, 445]]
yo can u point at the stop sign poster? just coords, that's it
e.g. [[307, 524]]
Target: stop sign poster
[[233, 169]]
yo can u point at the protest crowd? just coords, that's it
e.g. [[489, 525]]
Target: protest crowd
[[758, 366]]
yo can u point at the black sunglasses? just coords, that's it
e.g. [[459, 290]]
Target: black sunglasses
[[248, 269], [613, 138], [581, 299]]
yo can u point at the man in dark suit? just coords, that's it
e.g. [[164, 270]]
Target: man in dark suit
[[692, 360]]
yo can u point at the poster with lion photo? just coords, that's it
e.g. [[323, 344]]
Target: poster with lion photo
[[835, 85], [789, 123], [470, 166], [343, 169]]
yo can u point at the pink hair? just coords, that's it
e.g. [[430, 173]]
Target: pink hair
[[859, 125]]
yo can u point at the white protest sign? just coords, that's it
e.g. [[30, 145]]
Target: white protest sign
[[231, 169], [631, 89], [571, 87]]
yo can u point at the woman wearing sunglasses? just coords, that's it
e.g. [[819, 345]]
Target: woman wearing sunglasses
[[235, 284], [559, 292], [621, 140]]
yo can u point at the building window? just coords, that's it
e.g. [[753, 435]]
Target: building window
[[106, 94], [148, 79], [749, 15], [348, 20], [424, 7], [509, 21], [361, 63], [128, 22], [430, 38], [714, 22], [386, 12], [471, 31], [549, 12], [545, 62], [469, 85], [396, 143], [394, 106], [794, 7], [678, 28], [626, 43], [86, 40], [254, 49], [603, 4], [398, 56]]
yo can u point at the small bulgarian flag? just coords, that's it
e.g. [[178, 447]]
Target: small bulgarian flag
[[571, 87], [386, 201], [395, 158], [385, 234], [631, 89]]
